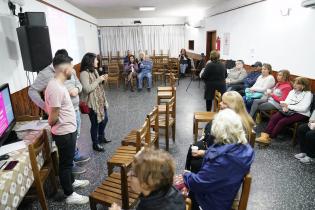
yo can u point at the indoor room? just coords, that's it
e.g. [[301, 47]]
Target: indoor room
[[149, 105]]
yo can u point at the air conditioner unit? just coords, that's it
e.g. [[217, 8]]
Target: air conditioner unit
[[308, 3], [199, 24]]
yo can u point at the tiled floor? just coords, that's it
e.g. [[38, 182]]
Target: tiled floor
[[279, 181]]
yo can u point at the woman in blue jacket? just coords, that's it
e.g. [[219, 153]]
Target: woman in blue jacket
[[224, 166]]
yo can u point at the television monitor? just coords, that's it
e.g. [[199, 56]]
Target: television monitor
[[7, 119]]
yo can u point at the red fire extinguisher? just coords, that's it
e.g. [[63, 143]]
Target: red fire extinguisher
[[217, 43]]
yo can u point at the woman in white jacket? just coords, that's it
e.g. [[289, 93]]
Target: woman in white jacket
[[295, 108]]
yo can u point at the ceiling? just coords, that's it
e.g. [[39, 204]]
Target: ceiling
[[130, 8]]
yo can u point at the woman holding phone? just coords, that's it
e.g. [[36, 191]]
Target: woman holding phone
[[94, 95]]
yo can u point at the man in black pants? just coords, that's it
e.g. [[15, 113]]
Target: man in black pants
[[62, 120]]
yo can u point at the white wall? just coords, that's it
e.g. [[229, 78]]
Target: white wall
[[260, 32], [66, 31], [145, 21]]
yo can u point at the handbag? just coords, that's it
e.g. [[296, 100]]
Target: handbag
[[84, 108], [252, 95], [288, 113]]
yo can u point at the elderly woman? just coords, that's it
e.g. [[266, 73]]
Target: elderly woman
[[214, 77], [235, 77], [295, 108], [131, 69], [152, 175], [272, 97], [264, 81], [232, 100], [224, 166]]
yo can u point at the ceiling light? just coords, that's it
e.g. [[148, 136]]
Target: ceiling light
[[147, 8]]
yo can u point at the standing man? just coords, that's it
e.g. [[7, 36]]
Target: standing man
[[62, 120], [35, 91], [144, 70]]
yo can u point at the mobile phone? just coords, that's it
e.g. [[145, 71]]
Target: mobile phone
[[11, 165]]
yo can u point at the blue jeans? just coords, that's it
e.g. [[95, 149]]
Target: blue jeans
[[97, 129], [142, 75], [183, 68], [78, 119]]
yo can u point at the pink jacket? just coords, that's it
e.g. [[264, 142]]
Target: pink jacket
[[281, 91]]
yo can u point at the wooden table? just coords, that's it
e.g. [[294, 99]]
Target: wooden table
[[201, 117], [15, 183]]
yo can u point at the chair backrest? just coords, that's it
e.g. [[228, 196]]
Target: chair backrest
[[153, 116], [113, 70], [188, 203], [245, 192], [251, 138], [143, 135], [217, 101], [170, 110]]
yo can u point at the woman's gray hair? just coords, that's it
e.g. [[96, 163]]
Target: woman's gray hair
[[227, 128]]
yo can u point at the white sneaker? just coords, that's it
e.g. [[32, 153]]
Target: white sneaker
[[300, 156], [80, 183], [75, 198], [306, 160]]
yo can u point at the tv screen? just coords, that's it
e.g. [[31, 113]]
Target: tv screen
[[7, 119]]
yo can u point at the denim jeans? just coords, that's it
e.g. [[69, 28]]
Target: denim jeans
[[78, 119], [183, 68], [66, 147], [97, 129], [141, 75]]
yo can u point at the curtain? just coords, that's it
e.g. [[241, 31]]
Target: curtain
[[170, 39]]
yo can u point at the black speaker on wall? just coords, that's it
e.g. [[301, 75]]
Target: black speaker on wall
[[35, 47], [32, 19]]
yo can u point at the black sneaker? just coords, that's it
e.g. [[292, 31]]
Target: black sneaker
[[149, 89], [76, 170]]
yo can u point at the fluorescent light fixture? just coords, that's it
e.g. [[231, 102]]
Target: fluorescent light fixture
[[147, 8]]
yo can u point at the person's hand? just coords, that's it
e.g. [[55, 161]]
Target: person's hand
[[104, 77], [227, 81], [114, 207], [311, 125], [282, 104], [198, 153], [251, 90], [285, 109], [74, 92]]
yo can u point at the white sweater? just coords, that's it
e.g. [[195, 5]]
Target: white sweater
[[263, 83], [300, 101]]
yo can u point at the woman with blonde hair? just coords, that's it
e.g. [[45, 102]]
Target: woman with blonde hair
[[224, 165], [232, 100], [295, 108], [152, 175]]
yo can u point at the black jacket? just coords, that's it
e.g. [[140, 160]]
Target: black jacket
[[163, 200], [214, 78]]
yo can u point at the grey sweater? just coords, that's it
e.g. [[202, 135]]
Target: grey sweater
[[74, 83], [236, 75], [40, 84]]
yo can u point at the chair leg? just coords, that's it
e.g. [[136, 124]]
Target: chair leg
[[109, 168], [92, 204], [173, 131], [167, 138], [53, 181], [41, 196], [54, 157], [196, 131], [294, 136]]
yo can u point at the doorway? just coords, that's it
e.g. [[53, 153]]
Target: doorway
[[211, 40]]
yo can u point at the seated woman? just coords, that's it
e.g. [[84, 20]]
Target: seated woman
[[272, 97], [184, 62], [264, 81], [306, 136], [295, 108], [131, 69], [224, 166], [232, 100], [152, 175], [235, 77]]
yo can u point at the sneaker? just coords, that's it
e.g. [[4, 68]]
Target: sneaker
[[76, 170], [75, 198], [82, 159], [80, 183], [306, 160], [300, 156]]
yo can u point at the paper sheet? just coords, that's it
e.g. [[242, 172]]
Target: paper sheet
[[33, 125], [12, 147]]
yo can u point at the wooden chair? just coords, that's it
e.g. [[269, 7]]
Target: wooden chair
[[131, 144], [154, 117], [251, 138], [113, 74], [165, 94], [156, 74], [188, 203], [41, 147], [115, 189], [168, 120], [245, 192], [204, 117]]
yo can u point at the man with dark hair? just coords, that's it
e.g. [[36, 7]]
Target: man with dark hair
[[253, 75], [38, 87], [62, 120]]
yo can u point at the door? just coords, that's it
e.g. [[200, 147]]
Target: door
[[211, 41]]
